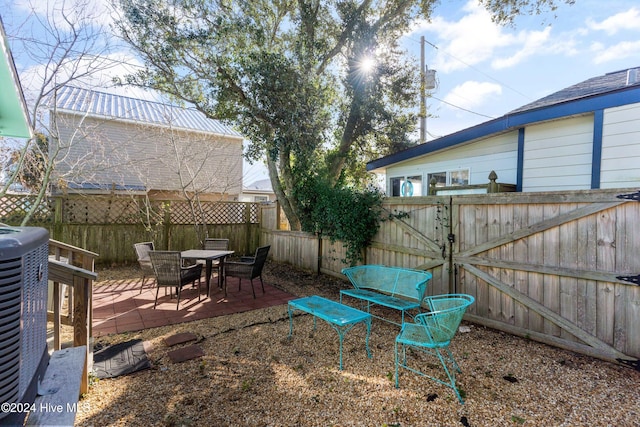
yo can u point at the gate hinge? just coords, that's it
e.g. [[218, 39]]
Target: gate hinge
[[634, 364], [631, 279], [633, 196]]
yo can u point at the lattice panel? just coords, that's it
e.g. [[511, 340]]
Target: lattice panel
[[127, 210], [14, 208], [103, 210], [214, 213]]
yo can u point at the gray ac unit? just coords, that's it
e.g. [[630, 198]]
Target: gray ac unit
[[24, 357]]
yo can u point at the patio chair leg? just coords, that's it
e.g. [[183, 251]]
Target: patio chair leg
[[253, 290], [156, 301], [262, 283]]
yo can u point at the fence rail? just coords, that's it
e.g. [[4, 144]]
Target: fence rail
[[110, 225], [561, 268]]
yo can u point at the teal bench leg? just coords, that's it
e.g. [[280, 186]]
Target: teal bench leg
[[342, 331]]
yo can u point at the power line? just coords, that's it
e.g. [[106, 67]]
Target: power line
[[479, 71], [463, 109]]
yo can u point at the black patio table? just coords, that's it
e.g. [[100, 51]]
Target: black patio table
[[209, 256]]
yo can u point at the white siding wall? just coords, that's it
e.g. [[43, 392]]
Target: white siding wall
[[498, 153], [557, 155], [620, 167], [109, 151]]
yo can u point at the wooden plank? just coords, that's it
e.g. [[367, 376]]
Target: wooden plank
[[574, 196], [547, 313], [80, 325], [604, 276], [551, 244], [546, 224], [467, 239], [568, 249], [62, 380], [558, 342], [605, 241], [506, 253], [417, 234], [520, 253], [494, 230]]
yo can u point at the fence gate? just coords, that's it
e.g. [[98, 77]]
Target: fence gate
[[558, 268]]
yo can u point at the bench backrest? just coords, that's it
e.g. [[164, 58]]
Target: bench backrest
[[394, 281]]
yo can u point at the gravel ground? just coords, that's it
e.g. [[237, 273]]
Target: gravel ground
[[252, 374]]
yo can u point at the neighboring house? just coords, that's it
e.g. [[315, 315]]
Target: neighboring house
[[14, 118], [258, 191], [586, 136], [109, 143]]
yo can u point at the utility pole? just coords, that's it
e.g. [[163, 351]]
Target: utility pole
[[423, 96], [427, 81]]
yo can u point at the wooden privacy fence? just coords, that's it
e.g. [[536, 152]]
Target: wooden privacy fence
[[111, 224], [560, 268]]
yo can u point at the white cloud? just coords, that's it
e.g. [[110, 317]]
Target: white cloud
[[628, 20], [96, 12], [622, 50], [472, 94], [532, 42], [87, 72], [475, 38]]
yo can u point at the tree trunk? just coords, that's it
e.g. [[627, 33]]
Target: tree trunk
[[292, 216]]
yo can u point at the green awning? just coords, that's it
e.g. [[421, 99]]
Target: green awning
[[14, 118]]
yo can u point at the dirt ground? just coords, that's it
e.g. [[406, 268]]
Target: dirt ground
[[253, 374]]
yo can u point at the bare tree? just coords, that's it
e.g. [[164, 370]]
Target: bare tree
[[56, 43]]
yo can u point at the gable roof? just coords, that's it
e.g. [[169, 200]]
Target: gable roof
[[261, 186], [610, 90], [101, 104]]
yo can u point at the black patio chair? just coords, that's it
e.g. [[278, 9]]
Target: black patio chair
[[142, 251], [171, 274], [248, 268]]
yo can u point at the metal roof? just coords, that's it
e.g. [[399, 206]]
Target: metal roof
[[113, 106]]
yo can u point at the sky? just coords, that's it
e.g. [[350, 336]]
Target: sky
[[483, 70]]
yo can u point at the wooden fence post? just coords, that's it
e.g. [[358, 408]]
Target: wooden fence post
[[493, 186], [80, 323]]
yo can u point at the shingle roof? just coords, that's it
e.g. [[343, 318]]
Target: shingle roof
[[593, 86], [112, 106], [260, 185]]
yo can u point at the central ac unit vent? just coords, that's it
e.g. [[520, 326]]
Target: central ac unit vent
[[633, 76]]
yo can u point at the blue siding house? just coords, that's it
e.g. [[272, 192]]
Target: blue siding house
[[586, 136]]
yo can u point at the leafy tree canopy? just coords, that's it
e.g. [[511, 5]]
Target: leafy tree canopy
[[291, 75]]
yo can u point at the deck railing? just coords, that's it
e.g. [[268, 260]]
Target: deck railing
[[71, 276]]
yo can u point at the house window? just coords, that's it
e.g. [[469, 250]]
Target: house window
[[452, 178], [406, 186], [260, 199]]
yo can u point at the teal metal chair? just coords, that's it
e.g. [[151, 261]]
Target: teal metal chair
[[431, 334]]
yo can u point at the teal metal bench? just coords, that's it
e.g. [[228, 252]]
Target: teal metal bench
[[402, 289], [340, 317]]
